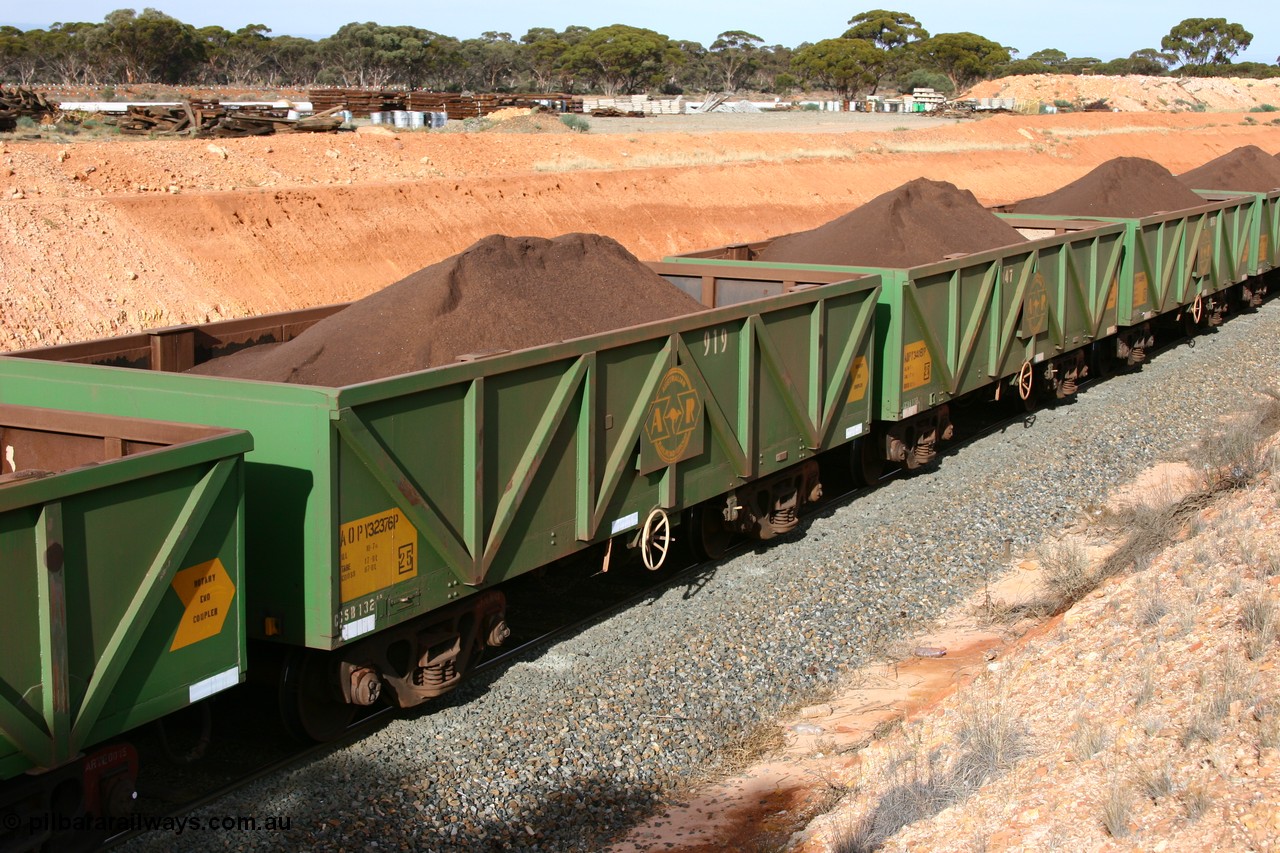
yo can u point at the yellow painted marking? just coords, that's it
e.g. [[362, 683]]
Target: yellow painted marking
[[1204, 254], [1111, 295], [1264, 248], [858, 388], [917, 366], [376, 552], [1139, 289], [1035, 306], [206, 592], [674, 415]]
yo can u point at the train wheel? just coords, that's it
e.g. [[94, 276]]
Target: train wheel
[[310, 705], [1102, 361], [710, 540], [655, 539], [866, 461]]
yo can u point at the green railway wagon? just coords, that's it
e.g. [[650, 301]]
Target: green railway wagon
[[381, 514], [1026, 313], [1256, 235], [121, 547], [1173, 262]]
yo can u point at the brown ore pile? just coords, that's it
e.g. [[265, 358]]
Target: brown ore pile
[[502, 293], [1126, 187], [920, 222], [1248, 168]]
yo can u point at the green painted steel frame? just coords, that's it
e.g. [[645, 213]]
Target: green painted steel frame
[[1164, 247], [1263, 221], [957, 341], [56, 732], [294, 483], [469, 549]]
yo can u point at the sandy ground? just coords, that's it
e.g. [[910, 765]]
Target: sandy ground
[[1093, 730], [112, 236]]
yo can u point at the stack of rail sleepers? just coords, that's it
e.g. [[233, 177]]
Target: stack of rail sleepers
[[361, 102]]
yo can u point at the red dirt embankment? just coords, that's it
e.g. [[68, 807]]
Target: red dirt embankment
[[105, 237]]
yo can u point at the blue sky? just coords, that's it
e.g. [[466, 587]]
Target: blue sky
[[1102, 28]]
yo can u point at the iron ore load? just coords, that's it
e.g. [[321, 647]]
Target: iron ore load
[[354, 483]]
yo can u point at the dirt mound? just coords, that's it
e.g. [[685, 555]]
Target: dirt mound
[[918, 223], [1124, 187], [503, 293], [1248, 168], [1135, 93]]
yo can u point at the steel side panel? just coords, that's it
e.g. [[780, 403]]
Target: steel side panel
[[289, 532], [967, 313], [549, 455], [1257, 247], [114, 518], [503, 463]]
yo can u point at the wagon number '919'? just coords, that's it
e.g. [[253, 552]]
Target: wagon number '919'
[[715, 341]]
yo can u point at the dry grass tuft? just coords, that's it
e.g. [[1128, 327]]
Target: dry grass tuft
[[1158, 784], [1261, 622], [1116, 810], [1196, 800], [920, 784], [1068, 576], [1090, 739]]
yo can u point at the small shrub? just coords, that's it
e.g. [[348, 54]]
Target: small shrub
[[1066, 573], [1264, 108], [576, 123], [1248, 120], [26, 123], [1153, 609], [1146, 689]]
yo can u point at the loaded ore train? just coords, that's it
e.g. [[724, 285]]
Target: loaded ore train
[[331, 498]]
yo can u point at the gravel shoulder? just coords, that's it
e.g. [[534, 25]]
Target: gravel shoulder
[[566, 750]]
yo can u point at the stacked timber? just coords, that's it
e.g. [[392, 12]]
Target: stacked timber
[[457, 105], [360, 102], [209, 118], [18, 102]]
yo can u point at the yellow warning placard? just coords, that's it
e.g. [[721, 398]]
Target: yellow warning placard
[[1111, 294], [858, 388], [376, 552], [917, 366], [206, 592], [1264, 248], [1139, 289]]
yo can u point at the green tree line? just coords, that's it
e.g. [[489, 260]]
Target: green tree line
[[879, 48]]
